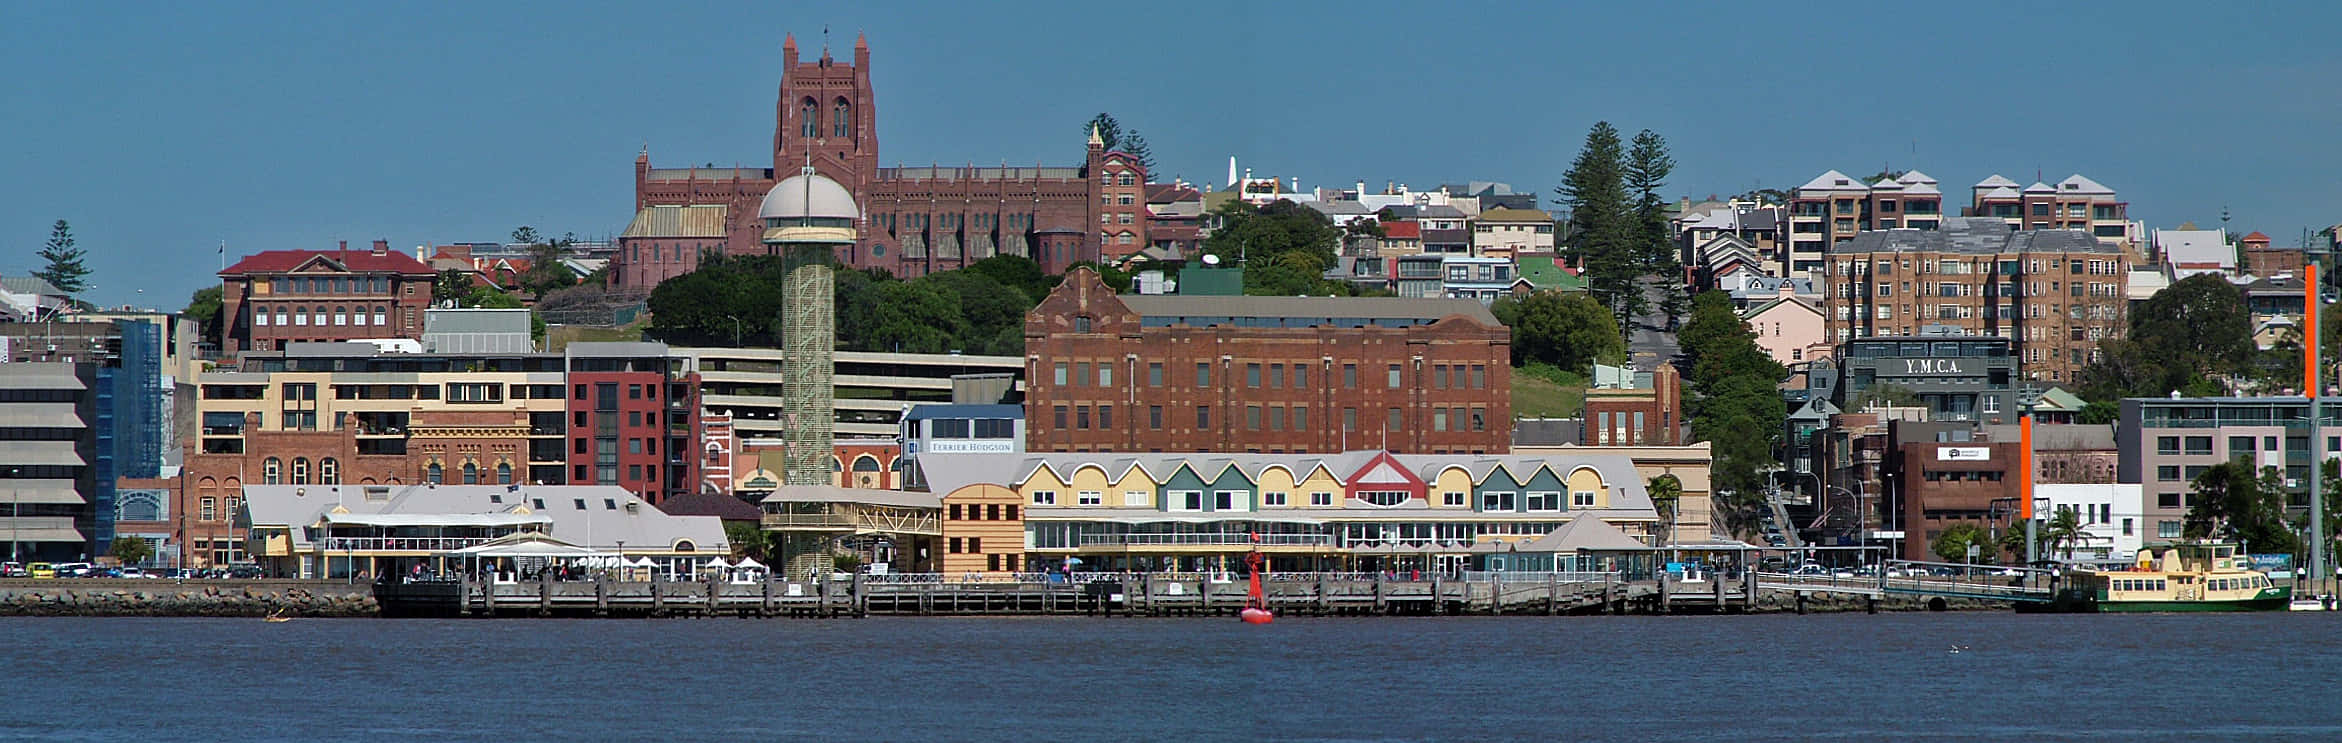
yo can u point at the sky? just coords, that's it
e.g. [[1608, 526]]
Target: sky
[[161, 130]]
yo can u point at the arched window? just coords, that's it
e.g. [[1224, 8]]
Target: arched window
[[271, 470], [810, 127], [841, 119], [685, 545], [434, 473], [865, 463], [329, 471], [300, 470], [504, 473], [471, 473]]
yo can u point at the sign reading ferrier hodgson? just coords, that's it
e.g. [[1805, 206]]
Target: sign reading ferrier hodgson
[[1963, 453]]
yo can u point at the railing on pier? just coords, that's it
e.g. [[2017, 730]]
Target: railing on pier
[[1209, 539], [411, 544]]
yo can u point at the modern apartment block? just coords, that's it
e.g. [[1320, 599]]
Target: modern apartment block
[[2167, 442], [1834, 207], [81, 406], [623, 414], [1957, 378], [2054, 293], [2076, 203], [1263, 374], [873, 389]]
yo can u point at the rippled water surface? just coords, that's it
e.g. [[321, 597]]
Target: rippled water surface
[[1843, 677]]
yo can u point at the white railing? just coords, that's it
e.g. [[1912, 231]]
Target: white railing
[[1528, 577], [405, 544]]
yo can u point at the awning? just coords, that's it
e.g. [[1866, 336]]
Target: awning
[[1585, 534], [529, 544], [437, 519]]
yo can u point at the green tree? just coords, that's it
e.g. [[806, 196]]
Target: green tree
[[1733, 400], [2063, 532], [1135, 145], [749, 540], [204, 309], [62, 262], [915, 317], [1647, 166], [1016, 271], [1883, 395], [993, 313], [451, 284], [1247, 235], [1666, 494], [1568, 330], [1107, 129], [1952, 543], [132, 550], [2200, 321], [545, 272], [2230, 501], [1602, 224]]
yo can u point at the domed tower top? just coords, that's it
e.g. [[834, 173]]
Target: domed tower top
[[808, 207]]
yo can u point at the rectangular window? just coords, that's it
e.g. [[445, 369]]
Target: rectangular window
[[991, 562], [1496, 501], [1272, 498], [1081, 417], [1089, 498], [1203, 375], [1479, 377], [991, 512], [1105, 416], [1276, 376], [1349, 376], [1252, 417], [1581, 499], [1062, 374], [1321, 498], [954, 546], [1452, 498], [1058, 417], [1394, 424], [1155, 417], [1252, 376], [1394, 376], [1276, 417], [1105, 374], [1543, 501], [1439, 377], [2167, 444], [2167, 473], [1349, 419], [975, 544], [1040, 498], [1300, 419], [2126, 526], [1203, 417], [1154, 374], [1479, 419], [2199, 445], [953, 512], [2167, 529], [1300, 376]]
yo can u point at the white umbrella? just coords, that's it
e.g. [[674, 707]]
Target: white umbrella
[[749, 563], [716, 564]]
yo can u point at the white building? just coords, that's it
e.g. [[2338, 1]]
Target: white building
[[2114, 515]]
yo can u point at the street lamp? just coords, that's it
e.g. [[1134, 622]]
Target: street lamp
[[735, 330], [15, 496]]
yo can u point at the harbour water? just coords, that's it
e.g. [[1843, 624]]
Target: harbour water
[[1781, 677]]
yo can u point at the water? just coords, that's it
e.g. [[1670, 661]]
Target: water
[[1840, 677]]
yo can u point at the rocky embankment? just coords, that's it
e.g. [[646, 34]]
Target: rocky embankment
[[1821, 603], [159, 598]]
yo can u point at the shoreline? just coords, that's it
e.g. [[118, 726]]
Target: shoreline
[[322, 599]]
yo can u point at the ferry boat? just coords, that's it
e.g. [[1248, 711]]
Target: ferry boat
[[2195, 576]]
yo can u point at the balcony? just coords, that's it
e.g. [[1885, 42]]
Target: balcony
[[398, 544], [809, 521]]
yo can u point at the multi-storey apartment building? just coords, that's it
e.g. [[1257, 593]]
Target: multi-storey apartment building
[[1834, 207], [2076, 203], [1263, 374], [2166, 442], [2053, 293], [621, 414], [276, 297], [80, 407]]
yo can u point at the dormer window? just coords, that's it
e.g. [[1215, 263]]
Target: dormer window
[[1081, 323]]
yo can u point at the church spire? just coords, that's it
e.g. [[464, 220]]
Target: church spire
[[1095, 139]]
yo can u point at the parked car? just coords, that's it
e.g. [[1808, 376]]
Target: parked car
[[11, 570], [132, 571], [73, 569], [42, 570]]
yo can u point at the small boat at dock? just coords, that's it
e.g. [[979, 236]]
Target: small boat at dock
[[2190, 577]]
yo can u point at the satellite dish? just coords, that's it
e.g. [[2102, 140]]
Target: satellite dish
[[1211, 260]]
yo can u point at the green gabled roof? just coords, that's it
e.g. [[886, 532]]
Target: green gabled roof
[[2058, 399], [1545, 274]]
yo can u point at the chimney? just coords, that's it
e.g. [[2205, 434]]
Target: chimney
[[381, 247], [345, 246]]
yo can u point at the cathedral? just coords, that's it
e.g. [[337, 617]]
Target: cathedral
[[914, 221]]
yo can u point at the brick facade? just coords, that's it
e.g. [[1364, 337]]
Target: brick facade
[[1103, 375], [275, 297], [917, 220], [1637, 417]]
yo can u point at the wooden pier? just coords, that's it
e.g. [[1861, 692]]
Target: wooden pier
[[1307, 594]]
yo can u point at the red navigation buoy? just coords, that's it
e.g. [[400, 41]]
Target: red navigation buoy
[[1256, 603], [1257, 616]]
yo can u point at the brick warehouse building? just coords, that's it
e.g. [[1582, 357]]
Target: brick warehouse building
[[916, 220], [1263, 374], [275, 297]]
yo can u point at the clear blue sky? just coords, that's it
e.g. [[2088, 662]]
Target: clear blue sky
[[161, 129]]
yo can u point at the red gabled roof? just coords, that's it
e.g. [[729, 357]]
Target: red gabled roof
[[1166, 193], [277, 261], [2256, 237], [1410, 230]]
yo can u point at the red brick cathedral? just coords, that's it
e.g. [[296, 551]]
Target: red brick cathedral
[[915, 220]]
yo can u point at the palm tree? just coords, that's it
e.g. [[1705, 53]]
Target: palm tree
[[1665, 492], [2064, 530]]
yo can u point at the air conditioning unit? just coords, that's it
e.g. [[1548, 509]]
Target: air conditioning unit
[[2293, 482]]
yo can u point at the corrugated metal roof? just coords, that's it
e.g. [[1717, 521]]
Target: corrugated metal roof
[[1405, 308], [42, 375], [30, 285], [1515, 215], [706, 220]]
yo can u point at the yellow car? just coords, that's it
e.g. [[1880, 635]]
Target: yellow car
[[43, 570]]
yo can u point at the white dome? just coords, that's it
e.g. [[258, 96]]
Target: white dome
[[790, 199]]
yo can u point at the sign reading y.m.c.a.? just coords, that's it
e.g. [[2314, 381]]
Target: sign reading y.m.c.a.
[[1936, 366]]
